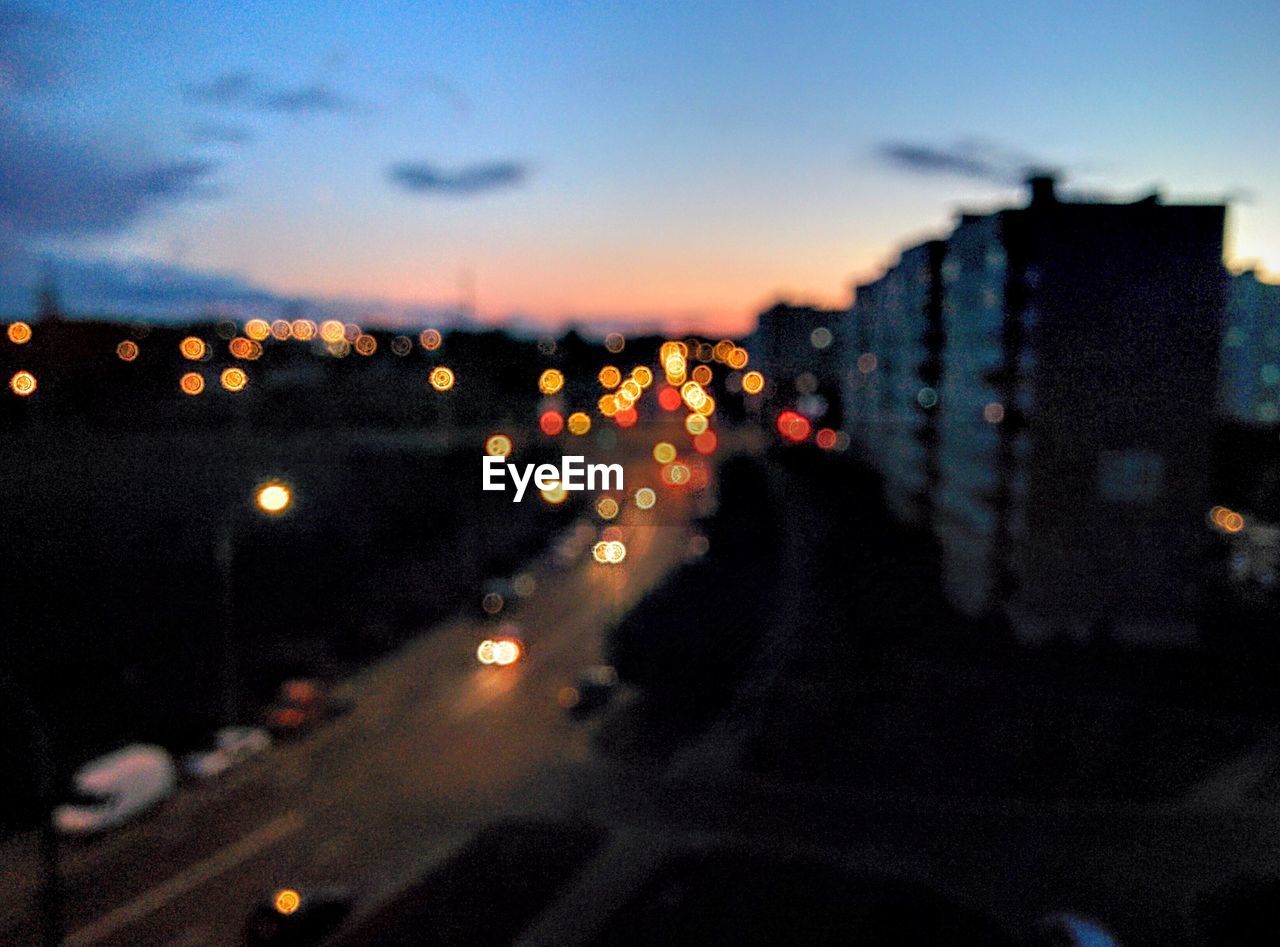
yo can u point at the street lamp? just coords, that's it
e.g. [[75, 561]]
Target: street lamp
[[272, 499]]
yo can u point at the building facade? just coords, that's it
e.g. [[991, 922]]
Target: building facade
[[1250, 389], [1068, 405]]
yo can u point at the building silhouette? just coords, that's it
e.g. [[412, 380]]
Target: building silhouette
[[1038, 391]]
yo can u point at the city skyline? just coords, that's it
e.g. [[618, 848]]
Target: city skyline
[[673, 169]]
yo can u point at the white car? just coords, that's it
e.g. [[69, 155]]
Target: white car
[[231, 745], [117, 787]]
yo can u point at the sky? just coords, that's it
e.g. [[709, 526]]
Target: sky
[[647, 164]]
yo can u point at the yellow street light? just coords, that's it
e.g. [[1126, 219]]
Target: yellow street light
[[274, 498]]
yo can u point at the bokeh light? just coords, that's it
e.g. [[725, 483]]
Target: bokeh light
[[234, 379], [579, 423], [287, 901], [664, 452], [19, 333], [441, 378], [23, 384], [430, 339], [193, 348], [607, 508], [614, 342], [244, 348], [753, 383], [646, 498], [257, 329], [551, 423], [498, 445], [794, 426], [274, 498], [555, 494], [610, 377], [192, 383], [127, 350], [550, 381]]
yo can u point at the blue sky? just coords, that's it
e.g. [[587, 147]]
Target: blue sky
[[673, 163]]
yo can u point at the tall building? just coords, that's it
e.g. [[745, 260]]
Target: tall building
[[1250, 389], [1062, 360], [893, 381]]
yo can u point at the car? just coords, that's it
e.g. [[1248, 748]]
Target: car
[[231, 745], [300, 704], [296, 916], [116, 788], [593, 689], [505, 648]]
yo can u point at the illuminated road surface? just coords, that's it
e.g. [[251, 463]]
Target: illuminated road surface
[[435, 745]]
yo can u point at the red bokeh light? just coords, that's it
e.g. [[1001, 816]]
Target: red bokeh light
[[705, 443], [794, 426], [826, 438], [551, 423], [626, 418], [669, 398]]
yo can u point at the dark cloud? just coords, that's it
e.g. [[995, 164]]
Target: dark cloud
[[972, 159], [126, 287], [241, 90], [213, 133], [422, 178], [310, 98], [168, 292], [59, 186], [227, 90]]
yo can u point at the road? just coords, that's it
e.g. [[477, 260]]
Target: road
[[437, 747], [434, 746]]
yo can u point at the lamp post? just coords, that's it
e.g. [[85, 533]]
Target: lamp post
[[271, 499]]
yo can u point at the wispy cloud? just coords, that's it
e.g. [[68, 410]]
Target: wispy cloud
[[977, 160], [423, 178], [57, 185], [243, 90]]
